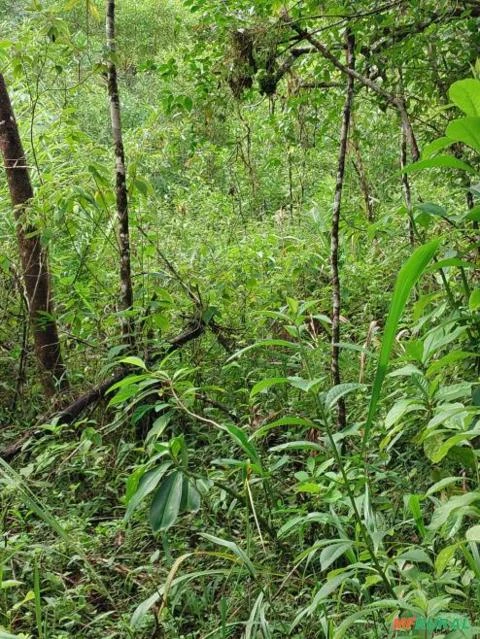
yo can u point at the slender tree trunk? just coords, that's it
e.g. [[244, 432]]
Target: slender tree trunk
[[407, 139], [394, 101], [362, 176], [407, 194], [336, 299], [290, 183], [408, 132], [126, 289], [33, 256]]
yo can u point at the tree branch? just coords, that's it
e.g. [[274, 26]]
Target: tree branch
[[392, 100], [71, 412]]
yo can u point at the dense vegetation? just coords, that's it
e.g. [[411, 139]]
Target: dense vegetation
[[239, 319]]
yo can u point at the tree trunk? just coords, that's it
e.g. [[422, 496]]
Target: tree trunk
[[33, 256], [126, 289], [395, 101], [336, 300], [359, 167], [407, 135], [406, 186]]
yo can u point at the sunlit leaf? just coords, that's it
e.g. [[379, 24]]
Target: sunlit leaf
[[465, 94], [406, 280], [440, 161]]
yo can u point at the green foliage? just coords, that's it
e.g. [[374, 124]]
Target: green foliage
[[407, 277]]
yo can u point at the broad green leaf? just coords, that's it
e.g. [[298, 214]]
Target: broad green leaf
[[333, 552], [190, 497], [134, 361], [415, 555], [264, 384], [439, 161], [309, 487], [242, 440], [166, 502], [473, 214], [443, 558], [158, 426], [146, 485], [449, 261], [454, 391], [465, 94], [293, 524], [143, 186], [409, 369], [400, 409], [440, 485], [443, 512], [328, 587], [406, 280], [474, 300], [124, 394], [360, 615], [437, 453], [127, 381], [353, 347], [438, 338], [432, 209], [447, 416], [434, 147], [466, 130], [335, 393], [473, 534], [304, 384]]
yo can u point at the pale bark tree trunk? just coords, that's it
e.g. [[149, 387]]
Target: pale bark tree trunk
[[395, 101], [33, 256], [126, 289], [334, 241]]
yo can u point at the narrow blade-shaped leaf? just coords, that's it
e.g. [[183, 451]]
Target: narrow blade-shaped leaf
[[232, 546], [406, 280]]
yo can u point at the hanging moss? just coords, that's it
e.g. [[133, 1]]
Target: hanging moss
[[253, 54]]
